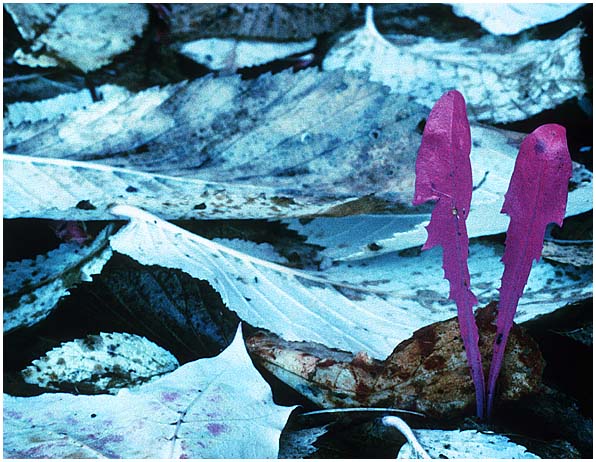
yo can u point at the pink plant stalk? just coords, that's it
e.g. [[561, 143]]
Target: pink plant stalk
[[537, 196], [444, 175]]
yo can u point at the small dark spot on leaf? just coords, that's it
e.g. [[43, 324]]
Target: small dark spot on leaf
[[282, 201], [341, 87], [85, 205], [420, 126], [200, 206], [93, 416], [374, 246], [375, 134], [131, 189]]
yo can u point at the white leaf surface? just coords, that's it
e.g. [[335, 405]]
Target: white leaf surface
[[501, 82], [100, 363], [417, 280], [370, 306], [512, 18], [85, 35], [177, 197], [466, 444], [264, 250], [211, 408], [294, 304], [52, 109], [229, 53], [281, 145], [32, 288], [362, 236], [493, 159]]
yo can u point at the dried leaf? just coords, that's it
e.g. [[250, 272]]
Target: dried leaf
[[499, 79], [298, 444], [465, 444], [444, 175], [232, 54], [426, 373], [493, 158], [512, 18], [29, 116], [281, 145], [211, 408], [190, 21], [100, 363], [84, 35], [175, 310], [414, 277], [370, 306], [32, 288], [569, 253], [268, 295], [536, 197]]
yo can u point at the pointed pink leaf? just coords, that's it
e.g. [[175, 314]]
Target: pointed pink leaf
[[444, 174], [537, 196]]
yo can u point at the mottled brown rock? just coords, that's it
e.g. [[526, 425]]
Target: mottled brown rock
[[426, 373]]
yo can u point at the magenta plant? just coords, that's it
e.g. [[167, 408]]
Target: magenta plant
[[537, 196], [444, 174]]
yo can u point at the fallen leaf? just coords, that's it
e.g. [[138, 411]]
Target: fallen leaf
[[569, 253], [296, 304], [100, 363], [370, 306], [32, 288], [190, 21], [512, 18], [426, 373], [86, 36], [231, 54], [298, 444], [465, 444], [500, 80], [211, 408], [493, 157], [282, 145], [180, 313], [22, 120]]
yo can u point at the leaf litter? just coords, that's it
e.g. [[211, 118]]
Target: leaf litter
[[192, 412], [496, 76], [370, 279], [86, 36], [32, 288], [249, 153], [390, 294], [100, 363]]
